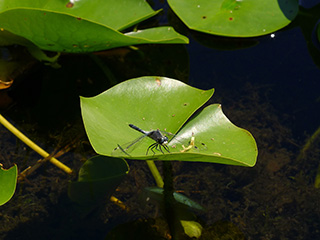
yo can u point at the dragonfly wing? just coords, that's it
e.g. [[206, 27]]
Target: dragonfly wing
[[127, 148]]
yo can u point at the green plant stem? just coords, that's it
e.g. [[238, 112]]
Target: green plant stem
[[33, 146], [309, 144], [317, 180], [155, 173], [169, 202]]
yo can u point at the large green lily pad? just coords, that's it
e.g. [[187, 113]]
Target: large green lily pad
[[161, 103], [236, 18], [8, 181], [107, 12], [85, 27]]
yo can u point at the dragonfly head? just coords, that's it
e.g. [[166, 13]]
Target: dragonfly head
[[163, 140]]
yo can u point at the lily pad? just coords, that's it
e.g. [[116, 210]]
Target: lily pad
[[8, 180], [98, 178], [115, 14], [85, 27], [162, 103], [236, 18]]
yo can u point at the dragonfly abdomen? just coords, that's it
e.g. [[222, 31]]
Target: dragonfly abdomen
[[138, 129]]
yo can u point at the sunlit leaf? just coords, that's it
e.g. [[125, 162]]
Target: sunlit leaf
[[86, 26], [161, 103], [8, 181], [236, 18]]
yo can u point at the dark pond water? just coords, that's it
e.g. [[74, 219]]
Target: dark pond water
[[268, 85], [280, 68]]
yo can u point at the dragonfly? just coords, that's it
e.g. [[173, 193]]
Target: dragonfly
[[160, 144]]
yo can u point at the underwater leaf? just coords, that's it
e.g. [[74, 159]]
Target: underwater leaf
[[192, 228], [8, 181], [236, 18], [156, 194], [166, 104], [86, 27], [98, 178], [184, 204]]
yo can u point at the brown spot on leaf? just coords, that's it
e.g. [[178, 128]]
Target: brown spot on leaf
[[69, 5]]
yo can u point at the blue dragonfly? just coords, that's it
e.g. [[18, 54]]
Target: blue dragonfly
[[160, 139]]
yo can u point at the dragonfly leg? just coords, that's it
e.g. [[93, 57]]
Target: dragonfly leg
[[122, 150], [158, 147], [166, 148], [155, 146], [151, 147]]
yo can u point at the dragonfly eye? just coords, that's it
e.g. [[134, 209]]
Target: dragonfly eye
[[164, 140]]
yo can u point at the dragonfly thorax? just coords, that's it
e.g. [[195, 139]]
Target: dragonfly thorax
[[158, 137]]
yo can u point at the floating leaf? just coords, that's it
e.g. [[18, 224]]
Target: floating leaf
[[85, 27], [236, 18], [8, 181], [161, 103]]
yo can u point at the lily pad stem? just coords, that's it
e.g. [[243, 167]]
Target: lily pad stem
[[155, 173], [170, 202], [309, 146], [33, 146]]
